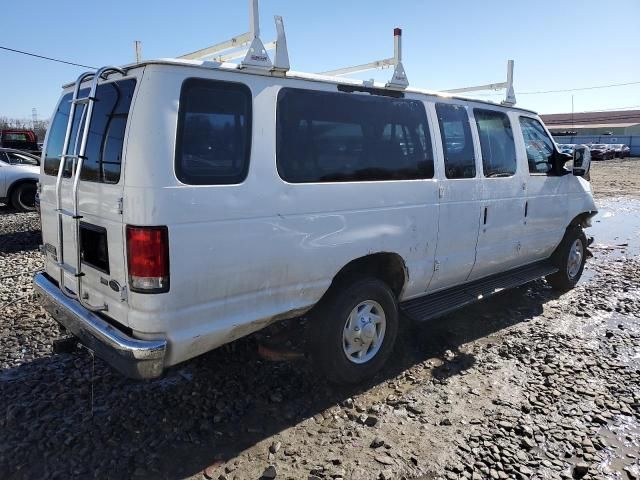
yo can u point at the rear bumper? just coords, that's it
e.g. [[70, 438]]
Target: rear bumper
[[134, 358]]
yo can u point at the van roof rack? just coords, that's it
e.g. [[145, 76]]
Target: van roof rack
[[254, 52], [399, 79], [510, 97]]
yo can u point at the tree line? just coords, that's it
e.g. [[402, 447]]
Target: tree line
[[39, 126]]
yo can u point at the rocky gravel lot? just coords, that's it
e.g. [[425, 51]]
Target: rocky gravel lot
[[523, 385]]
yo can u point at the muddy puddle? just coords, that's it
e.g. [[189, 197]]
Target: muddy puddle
[[617, 226]]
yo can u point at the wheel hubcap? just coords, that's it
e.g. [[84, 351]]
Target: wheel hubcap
[[575, 258], [364, 331]]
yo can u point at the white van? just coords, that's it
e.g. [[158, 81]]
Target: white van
[[206, 201]]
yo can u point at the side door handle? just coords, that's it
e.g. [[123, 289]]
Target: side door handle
[[526, 209], [485, 216]]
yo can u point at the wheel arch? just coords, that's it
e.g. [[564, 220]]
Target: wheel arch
[[386, 266], [17, 183], [583, 219]]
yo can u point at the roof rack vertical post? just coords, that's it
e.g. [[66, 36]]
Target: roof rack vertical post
[[510, 97], [399, 79], [257, 54], [281, 62]]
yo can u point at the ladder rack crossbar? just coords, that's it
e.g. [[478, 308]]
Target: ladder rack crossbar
[[378, 64], [399, 79], [510, 96], [233, 43]]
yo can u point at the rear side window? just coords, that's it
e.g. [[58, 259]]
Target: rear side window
[[496, 143], [343, 137], [457, 143], [105, 142], [214, 133], [538, 144]]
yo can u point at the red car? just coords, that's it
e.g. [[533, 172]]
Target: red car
[[19, 139]]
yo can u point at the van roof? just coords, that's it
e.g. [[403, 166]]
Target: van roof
[[314, 77]]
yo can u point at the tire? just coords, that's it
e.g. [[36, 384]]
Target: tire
[[569, 257], [23, 197], [354, 314]]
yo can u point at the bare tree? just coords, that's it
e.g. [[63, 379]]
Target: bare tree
[[39, 127]]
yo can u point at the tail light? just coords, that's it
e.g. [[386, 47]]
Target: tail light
[[148, 259]]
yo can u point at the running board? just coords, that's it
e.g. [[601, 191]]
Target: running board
[[440, 303]]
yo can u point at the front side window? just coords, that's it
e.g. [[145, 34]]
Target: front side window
[[496, 143], [344, 137], [214, 132], [539, 146], [105, 142], [457, 143]]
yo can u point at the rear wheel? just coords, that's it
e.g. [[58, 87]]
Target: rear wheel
[[353, 330], [23, 197], [570, 258]]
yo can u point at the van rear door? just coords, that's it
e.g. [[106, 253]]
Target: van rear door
[[96, 235]]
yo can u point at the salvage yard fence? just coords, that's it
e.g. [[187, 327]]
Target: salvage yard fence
[[632, 140]]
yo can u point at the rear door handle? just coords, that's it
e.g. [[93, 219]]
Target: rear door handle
[[526, 209], [485, 216]]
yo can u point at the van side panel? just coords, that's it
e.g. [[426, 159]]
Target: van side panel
[[244, 255]]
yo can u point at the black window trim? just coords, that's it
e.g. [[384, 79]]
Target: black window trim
[[475, 122], [180, 119], [550, 173], [360, 90]]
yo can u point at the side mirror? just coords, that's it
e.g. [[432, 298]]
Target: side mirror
[[581, 161], [558, 161]]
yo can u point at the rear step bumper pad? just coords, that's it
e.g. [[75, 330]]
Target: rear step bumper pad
[[134, 358]]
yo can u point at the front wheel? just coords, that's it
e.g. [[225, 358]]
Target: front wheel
[[570, 258], [23, 197], [353, 330]]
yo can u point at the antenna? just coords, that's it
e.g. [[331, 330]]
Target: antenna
[[399, 79], [255, 55], [510, 97]]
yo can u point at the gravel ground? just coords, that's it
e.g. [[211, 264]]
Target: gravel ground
[[523, 385]]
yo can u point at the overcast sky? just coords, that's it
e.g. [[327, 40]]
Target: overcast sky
[[559, 44]]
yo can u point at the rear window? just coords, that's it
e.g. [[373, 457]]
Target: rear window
[[214, 132], [343, 137], [106, 133]]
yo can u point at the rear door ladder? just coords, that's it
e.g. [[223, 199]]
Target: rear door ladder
[[78, 156]]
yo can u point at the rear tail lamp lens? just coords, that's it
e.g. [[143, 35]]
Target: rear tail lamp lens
[[148, 259]]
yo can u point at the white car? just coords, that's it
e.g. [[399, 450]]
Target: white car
[[210, 201], [19, 173], [566, 148]]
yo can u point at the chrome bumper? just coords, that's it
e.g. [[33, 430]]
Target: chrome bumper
[[139, 359]]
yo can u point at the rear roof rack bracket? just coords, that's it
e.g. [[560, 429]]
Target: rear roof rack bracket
[[256, 54], [399, 79]]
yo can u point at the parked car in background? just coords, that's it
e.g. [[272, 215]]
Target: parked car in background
[[626, 151], [600, 151], [617, 149], [566, 148], [20, 139], [19, 173]]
